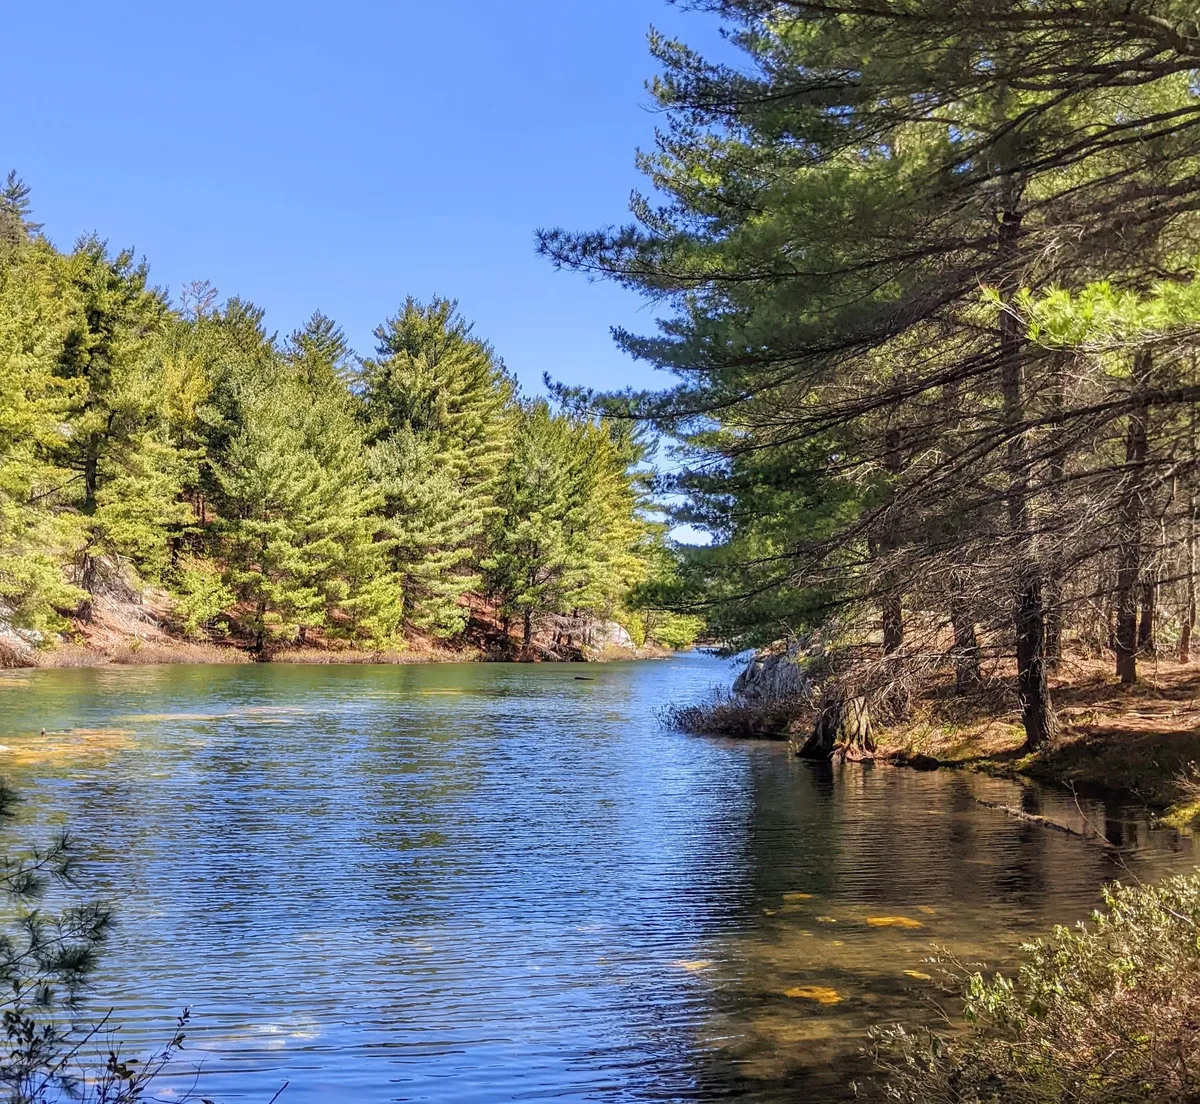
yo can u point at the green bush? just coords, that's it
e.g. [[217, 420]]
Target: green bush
[[1108, 1012], [201, 596]]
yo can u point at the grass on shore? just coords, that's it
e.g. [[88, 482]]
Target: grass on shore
[[133, 653]]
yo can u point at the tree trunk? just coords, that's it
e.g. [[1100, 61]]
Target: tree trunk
[[893, 625], [91, 472], [966, 648], [893, 609], [1033, 690], [1146, 625], [1129, 551], [1056, 476], [260, 636], [527, 624], [896, 700], [1189, 614], [88, 580], [842, 732]]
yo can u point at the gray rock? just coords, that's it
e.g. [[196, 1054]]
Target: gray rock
[[775, 675]]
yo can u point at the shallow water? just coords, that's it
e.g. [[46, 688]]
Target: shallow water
[[494, 883]]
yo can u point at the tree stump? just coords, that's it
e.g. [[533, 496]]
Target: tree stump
[[842, 733]]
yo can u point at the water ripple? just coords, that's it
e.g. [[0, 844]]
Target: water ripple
[[499, 883]]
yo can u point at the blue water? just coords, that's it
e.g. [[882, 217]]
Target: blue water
[[513, 882]]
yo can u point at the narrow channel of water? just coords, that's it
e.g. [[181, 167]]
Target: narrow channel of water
[[499, 883]]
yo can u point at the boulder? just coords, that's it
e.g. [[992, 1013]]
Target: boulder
[[18, 647], [774, 676]]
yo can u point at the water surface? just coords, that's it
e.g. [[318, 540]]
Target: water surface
[[503, 882]]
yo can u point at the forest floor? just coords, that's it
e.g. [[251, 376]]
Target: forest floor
[[1142, 740]]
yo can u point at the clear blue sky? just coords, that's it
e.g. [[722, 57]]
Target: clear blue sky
[[343, 155]]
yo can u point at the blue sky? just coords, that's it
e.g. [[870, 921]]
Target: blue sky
[[341, 156]]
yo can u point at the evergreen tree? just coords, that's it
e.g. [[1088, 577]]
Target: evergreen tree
[[435, 405], [295, 523], [833, 207], [15, 208], [115, 319], [37, 535], [528, 567], [567, 536]]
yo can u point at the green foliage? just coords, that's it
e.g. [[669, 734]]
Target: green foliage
[[1101, 1014], [295, 509], [435, 399], [672, 630], [35, 537], [113, 320], [201, 596], [50, 1052], [279, 489], [140, 511], [567, 534]]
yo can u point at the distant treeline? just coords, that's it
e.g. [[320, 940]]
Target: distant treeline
[[284, 491]]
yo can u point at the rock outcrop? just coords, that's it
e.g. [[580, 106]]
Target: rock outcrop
[[775, 676], [18, 647]]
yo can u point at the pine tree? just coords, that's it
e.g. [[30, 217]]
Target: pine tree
[[115, 319], [567, 536], [528, 567], [435, 405], [833, 207], [15, 208], [37, 534], [295, 508]]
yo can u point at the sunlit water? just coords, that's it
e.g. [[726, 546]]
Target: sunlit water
[[493, 883]]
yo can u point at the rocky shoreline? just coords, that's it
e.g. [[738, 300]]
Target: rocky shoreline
[[134, 628]]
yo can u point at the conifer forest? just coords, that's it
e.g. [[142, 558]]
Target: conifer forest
[[281, 490]]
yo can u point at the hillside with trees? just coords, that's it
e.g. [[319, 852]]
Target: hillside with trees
[[276, 493], [929, 277]]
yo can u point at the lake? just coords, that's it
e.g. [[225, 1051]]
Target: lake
[[485, 882]]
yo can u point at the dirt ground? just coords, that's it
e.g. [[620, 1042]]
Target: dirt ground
[[1142, 740]]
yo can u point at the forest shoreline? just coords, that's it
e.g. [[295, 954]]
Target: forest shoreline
[[1139, 742], [139, 629], [164, 652]]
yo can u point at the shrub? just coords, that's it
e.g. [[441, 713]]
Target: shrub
[[201, 596], [728, 714], [1108, 1012], [48, 1052]]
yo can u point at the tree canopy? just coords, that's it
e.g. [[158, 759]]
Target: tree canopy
[[927, 271]]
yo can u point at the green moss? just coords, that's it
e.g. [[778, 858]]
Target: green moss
[[1185, 814]]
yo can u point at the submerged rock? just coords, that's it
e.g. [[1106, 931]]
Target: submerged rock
[[822, 994]]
